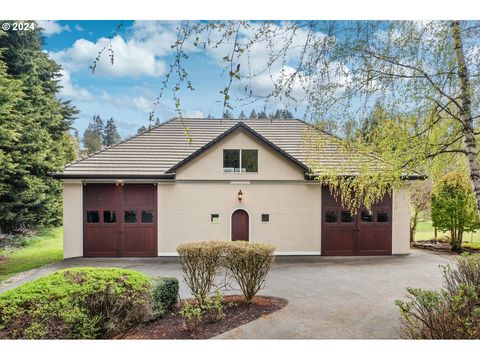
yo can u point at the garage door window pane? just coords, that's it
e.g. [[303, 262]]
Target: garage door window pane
[[109, 217], [382, 216], [130, 216], [366, 216], [93, 217], [331, 216], [147, 216], [346, 217]]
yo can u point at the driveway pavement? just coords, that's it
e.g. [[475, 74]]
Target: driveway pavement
[[334, 297]]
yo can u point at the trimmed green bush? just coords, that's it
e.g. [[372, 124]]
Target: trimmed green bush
[[164, 295], [249, 264], [77, 303], [201, 262], [451, 313]]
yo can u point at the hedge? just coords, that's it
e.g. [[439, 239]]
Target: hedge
[[76, 303]]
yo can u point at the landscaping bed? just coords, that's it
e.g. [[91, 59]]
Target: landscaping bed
[[237, 312], [441, 246]]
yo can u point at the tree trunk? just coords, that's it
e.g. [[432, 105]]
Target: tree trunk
[[413, 225], [466, 113]]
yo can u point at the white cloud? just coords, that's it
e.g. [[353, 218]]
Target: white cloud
[[70, 91], [131, 58], [78, 27], [51, 27], [194, 114]]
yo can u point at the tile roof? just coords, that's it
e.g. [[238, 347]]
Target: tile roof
[[153, 153]]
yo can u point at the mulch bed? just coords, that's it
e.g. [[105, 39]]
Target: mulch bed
[[237, 312]]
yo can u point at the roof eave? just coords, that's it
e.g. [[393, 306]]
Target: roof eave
[[112, 176]]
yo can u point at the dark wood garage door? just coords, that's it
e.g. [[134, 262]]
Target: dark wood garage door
[[368, 232], [120, 220]]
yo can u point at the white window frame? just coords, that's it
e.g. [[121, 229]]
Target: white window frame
[[242, 170]]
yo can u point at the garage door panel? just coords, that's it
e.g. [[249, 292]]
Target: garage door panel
[[374, 241], [101, 241], [139, 195], [139, 241], [338, 241]]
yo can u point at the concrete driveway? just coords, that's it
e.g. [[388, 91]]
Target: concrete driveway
[[335, 297]]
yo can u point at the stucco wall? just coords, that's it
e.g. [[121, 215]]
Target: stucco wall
[[271, 165], [184, 211], [401, 222], [72, 220]]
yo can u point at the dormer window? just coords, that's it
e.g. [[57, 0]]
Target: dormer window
[[240, 160]]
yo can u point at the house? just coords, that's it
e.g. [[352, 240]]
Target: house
[[211, 179]]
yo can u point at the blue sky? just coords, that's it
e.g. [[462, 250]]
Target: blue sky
[[127, 90]]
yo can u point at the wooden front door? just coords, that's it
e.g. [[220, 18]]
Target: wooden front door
[[120, 220], [240, 225], [368, 232]]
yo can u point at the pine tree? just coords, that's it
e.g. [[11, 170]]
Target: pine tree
[[34, 138], [253, 114], [242, 115], [262, 114], [142, 129], [227, 115], [111, 135], [94, 135]]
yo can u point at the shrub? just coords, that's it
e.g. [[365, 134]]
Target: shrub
[[454, 208], [200, 263], [191, 312], [213, 307], [211, 310], [249, 264], [164, 295], [78, 303], [451, 313]]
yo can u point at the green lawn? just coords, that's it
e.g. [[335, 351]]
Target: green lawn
[[45, 247], [425, 232]]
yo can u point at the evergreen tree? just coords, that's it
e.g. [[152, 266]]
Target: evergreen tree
[[142, 129], [34, 138], [94, 134], [227, 115], [209, 116], [253, 114], [262, 114], [242, 115], [111, 135]]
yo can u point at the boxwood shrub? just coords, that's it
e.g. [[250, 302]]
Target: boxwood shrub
[[164, 295], [77, 303]]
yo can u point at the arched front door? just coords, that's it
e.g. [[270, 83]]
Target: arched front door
[[240, 230]]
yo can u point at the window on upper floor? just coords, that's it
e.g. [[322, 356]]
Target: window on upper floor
[[240, 160]]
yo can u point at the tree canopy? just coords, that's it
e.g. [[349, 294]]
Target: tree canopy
[[34, 132]]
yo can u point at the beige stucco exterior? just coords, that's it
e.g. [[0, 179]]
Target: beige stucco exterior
[[271, 165], [201, 188], [401, 222], [72, 219], [185, 208]]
